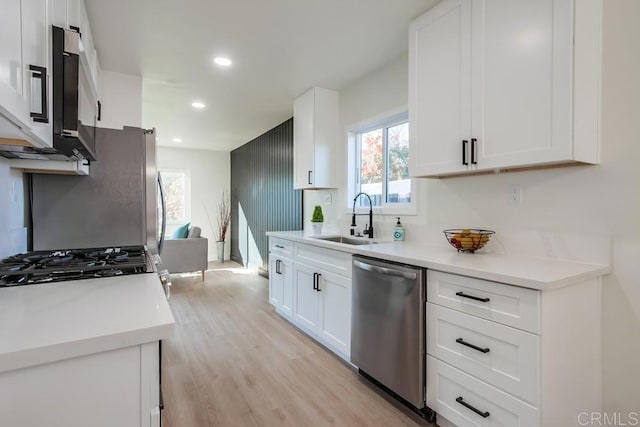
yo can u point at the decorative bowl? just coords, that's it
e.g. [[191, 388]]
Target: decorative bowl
[[467, 239]]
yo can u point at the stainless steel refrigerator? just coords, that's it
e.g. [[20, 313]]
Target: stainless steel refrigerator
[[120, 203]]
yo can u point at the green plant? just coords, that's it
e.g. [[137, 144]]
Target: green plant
[[317, 214]]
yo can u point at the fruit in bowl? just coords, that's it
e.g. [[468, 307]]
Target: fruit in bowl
[[467, 239]]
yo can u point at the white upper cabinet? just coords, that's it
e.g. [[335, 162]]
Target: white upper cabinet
[[504, 84], [14, 104], [36, 52], [315, 132]]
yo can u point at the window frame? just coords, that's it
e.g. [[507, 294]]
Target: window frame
[[187, 196], [389, 119]]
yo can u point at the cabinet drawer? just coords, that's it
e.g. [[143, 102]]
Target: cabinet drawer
[[281, 247], [449, 390], [505, 357], [506, 304], [324, 259]]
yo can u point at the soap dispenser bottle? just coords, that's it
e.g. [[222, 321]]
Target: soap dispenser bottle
[[398, 231]]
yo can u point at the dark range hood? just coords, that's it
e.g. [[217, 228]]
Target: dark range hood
[[70, 137]]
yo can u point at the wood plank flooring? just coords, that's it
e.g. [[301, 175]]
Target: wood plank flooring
[[234, 362]]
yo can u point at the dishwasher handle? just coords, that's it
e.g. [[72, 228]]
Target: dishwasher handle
[[385, 270]]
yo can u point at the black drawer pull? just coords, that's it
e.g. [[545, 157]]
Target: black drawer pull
[[473, 151], [461, 401], [475, 347], [315, 281], [464, 152], [278, 266], [279, 246], [309, 177], [40, 73], [318, 282], [463, 295]]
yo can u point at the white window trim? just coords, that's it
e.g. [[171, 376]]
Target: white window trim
[[383, 119], [187, 201]]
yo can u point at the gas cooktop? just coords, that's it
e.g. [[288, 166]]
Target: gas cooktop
[[72, 264]]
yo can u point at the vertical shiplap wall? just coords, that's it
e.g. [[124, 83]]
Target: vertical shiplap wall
[[262, 194]]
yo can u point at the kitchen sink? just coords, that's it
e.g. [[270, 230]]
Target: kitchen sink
[[346, 240]]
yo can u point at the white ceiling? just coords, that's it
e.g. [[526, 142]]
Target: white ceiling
[[279, 48]]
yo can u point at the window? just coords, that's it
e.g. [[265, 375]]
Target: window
[[381, 157], [177, 194]]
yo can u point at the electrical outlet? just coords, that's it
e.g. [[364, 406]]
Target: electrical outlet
[[327, 199], [515, 194]]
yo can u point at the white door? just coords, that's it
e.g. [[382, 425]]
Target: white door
[[13, 103], [439, 89], [286, 270], [335, 312], [275, 282], [521, 61], [306, 309], [303, 140]]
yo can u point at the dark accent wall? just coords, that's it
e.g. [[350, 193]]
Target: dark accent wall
[[262, 194]]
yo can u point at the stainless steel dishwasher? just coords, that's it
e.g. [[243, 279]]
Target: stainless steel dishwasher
[[388, 328]]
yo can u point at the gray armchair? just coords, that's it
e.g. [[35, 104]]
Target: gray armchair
[[186, 255]]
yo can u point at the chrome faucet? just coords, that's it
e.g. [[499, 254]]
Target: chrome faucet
[[368, 231]]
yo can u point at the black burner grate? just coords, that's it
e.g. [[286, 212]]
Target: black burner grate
[[72, 264]]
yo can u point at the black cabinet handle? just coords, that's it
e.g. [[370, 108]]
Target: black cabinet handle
[[464, 152], [475, 347], [309, 177], [318, 282], [461, 401], [278, 266], [99, 111], [463, 295], [279, 246], [40, 73], [473, 151], [315, 281]]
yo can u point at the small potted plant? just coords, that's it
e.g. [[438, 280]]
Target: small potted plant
[[317, 219]]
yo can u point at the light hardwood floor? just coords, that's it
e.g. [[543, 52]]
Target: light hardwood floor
[[234, 362]]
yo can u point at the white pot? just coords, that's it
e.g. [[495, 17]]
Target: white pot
[[317, 228]]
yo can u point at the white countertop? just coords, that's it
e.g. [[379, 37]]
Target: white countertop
[[54, 321], [529, 272]]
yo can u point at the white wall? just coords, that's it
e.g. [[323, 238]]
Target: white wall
[[210, 176], [12, 230], [121, 100], [580, 200]]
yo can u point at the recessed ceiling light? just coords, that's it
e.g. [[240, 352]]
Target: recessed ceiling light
[[197, 104], [177, 140], [223, 62]]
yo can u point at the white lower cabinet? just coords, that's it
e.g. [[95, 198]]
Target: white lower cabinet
[[310, 292], [322, 307], [119, 387], [281, 284], [502, 355], [466, 401], [335, 312]]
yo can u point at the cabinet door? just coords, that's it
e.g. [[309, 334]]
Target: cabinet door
[[13, 103], [286, 270], [522, 55], [275, 282], [36, 50], [439, 88], [306, 307], [303, 163], [335, 312]]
